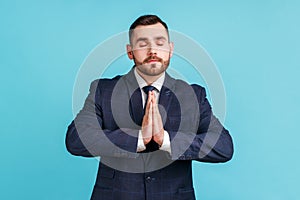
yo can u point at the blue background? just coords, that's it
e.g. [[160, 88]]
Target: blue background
[[255, 45]]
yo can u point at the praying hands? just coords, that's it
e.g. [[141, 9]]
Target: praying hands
[[152, 126]]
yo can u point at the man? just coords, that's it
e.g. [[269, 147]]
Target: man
[[146, 126]]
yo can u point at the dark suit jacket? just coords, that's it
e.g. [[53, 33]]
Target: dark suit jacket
[[108, 126]]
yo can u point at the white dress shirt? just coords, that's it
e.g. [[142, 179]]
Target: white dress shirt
[[166, 146]]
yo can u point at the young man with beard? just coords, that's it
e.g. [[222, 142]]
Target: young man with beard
[[146, 126]]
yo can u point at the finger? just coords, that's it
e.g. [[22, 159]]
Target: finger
[[156, 119], [150, 96], [148, 107], [157, 128], [150, 111], [155, 108], [147, 124], [153, 97]]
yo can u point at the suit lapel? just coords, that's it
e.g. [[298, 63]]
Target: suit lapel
[[136, 107], [135, 98], [166, 95]]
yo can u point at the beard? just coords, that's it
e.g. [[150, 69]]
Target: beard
[[152, 69]]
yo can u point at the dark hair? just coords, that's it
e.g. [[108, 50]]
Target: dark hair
[[146, 20]]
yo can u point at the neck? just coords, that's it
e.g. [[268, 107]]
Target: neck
[[149, 79]]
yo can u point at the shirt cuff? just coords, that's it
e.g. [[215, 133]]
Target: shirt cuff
[[166, 145], [140, 145]]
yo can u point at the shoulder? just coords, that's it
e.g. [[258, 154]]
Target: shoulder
[[105, 82], [199, 89], [183, 86]]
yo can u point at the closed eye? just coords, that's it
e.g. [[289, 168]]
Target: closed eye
[[143, 45], [160, 41]]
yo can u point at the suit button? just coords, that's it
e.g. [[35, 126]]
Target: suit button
[[148, 179]]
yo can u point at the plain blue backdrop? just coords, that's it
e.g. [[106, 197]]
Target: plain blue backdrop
[[255, 45]]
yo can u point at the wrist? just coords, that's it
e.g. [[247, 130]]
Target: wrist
[[159, 138]]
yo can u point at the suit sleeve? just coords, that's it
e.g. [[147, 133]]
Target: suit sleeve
[[211, 142], [87, 137]]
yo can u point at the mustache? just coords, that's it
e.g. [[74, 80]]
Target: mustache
[[153, 58]]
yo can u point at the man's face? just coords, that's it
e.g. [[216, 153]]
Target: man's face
[[150, 49]]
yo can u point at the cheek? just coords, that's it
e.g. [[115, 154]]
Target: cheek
[[163, 52], [164, 55], [140, 54]]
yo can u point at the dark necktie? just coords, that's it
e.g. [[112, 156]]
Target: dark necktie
[[152, 145]]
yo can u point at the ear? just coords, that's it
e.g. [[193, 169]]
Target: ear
[[129, 51], [171, 48]]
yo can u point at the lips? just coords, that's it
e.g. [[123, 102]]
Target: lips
[[150, 61]]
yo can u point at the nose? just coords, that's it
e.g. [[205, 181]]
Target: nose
[[152, 51]]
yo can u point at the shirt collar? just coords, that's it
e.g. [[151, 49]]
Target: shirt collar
[[142, 83]]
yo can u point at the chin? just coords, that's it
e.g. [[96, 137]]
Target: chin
[[156, 71], [155, 65]]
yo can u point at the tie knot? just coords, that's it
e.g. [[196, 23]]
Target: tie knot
[[149, 88]]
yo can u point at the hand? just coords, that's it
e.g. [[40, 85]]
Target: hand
[[157, 124], [147, 122], [152, 126]]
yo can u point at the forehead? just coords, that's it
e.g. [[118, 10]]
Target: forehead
[[149, 31]]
